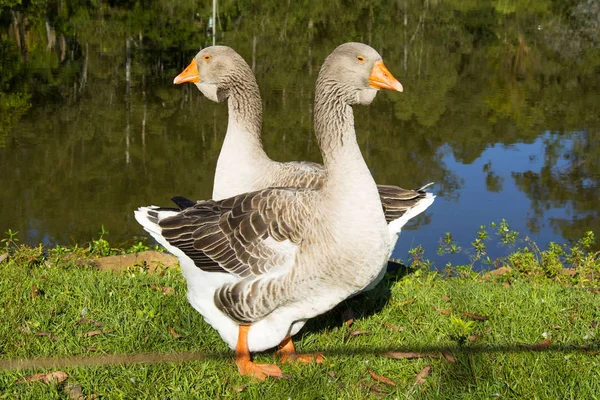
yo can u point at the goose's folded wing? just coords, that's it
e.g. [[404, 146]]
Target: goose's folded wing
[[246, 235], [396, 201]]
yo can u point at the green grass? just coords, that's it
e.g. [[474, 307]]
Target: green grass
[[492, 360]]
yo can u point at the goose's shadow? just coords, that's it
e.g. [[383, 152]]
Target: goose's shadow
[[361, 306]]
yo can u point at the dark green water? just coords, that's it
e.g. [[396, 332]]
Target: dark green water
[[501, 109]]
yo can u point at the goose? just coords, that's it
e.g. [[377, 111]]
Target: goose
[[221, 74], [258, 265]]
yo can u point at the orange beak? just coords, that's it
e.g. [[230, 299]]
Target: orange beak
[[381, 78], [189, 74]]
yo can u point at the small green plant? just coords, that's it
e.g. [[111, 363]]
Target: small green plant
[[448, 245], [419, 261], [100, 247], [507, 235], [460, 330], [137, 248], [11, 240]]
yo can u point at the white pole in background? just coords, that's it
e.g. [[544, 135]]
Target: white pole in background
[[214, 20]]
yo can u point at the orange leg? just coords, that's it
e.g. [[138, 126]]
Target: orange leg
[[287, 352], [242, 359]]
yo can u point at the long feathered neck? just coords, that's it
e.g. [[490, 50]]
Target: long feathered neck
[[334, 121], [244, 103]]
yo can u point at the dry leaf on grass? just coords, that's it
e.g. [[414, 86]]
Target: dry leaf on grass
[[348, 316], [90, 321], [45, 377], [540, 346], [507, 283], [166, 290], [331, 374], [449, 357], [474, 338], [476, 317], [3, 257], [443, 312], [175, 334], [35, 291], [425, 372], [595, 291], [573, 316], [90, 348], [381, 378], [392, 327], [47, 334], [557, 327], [399, 355], [94, 333], [409, 301], [357, 333], [446, 298]]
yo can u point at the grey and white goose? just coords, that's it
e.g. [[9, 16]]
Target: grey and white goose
[[260, 264], [221, 74]]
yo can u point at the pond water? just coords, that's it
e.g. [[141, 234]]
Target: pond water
[[500, 110]]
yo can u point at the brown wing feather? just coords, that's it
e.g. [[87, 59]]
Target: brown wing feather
[[396, 201]]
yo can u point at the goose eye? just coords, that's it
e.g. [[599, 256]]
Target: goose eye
[[206, 58], [360, 58]]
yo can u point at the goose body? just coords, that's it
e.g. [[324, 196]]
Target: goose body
[[221, 74], [258, 265]]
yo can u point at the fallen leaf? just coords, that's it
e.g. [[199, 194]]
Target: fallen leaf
[[540, 346], [409, 301], [90, 321], [166, 290], [90, 348], [378, 389], [94, 333], [35, 292], [3, 257], [594, 324], [443, 312], [392, 327], [331, 374], [446, 298], [399, 355], [507, 283], [474, 338], [556, 327], [348, 316], [45, 377], [425, 372], [356, 333], [175, 334], [381, 378], [595, 291], [593, 353], [573, 316], [48, 334], [449, 357], [75, 392], [476, 317]]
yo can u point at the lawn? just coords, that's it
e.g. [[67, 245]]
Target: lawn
[[418, 335]]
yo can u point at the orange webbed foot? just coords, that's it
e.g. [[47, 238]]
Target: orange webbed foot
[[259, 371], [287, 354]]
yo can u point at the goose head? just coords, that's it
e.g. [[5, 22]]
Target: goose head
[[216, 70], [358, 72]]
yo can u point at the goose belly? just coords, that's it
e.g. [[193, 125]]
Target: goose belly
[[264, 334]]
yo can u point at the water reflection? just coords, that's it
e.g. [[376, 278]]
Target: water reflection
[[499, 109]]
